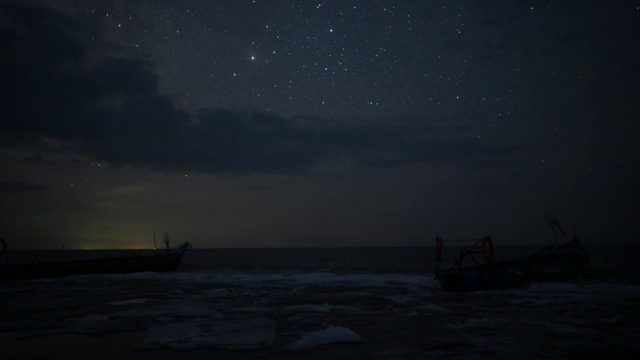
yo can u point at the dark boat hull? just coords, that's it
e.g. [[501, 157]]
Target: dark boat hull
[[551, 264], [168, 261], [501, 275]]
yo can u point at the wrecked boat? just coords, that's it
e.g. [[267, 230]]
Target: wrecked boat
[[475, 268]]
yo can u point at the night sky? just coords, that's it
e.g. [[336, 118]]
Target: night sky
[[324, 123]]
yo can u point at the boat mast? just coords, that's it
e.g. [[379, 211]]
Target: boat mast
[[155, 246]]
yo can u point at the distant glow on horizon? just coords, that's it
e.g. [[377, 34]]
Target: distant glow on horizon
[[114, 246], [117, 242]]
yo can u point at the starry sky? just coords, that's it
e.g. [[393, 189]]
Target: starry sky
[[317, 123]]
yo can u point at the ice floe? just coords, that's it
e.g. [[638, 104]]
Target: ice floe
[[324, 308], [431, 307], [130, 301], [330, 335]]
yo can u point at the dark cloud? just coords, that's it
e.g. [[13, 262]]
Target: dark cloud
[[38, 37], [38, 73], [111, 109], [15, 187], [259, 188], [33, 159], [124, 77], [94, 107], [246, 141], [401, 144]]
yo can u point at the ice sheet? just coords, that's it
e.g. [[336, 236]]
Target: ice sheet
[[402, 314]]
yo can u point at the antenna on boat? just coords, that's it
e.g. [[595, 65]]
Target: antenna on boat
[[3, 246], [165, 239], [553, 223], [438, 256]]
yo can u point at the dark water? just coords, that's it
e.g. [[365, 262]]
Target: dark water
[[616, 263]]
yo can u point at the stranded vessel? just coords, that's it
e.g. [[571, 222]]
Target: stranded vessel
[[554, 263], [161, 261]]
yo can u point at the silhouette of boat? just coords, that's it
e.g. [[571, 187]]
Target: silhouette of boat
[[168, 260], [553, 263]]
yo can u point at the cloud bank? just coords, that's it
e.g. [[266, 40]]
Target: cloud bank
[[111, 109]]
